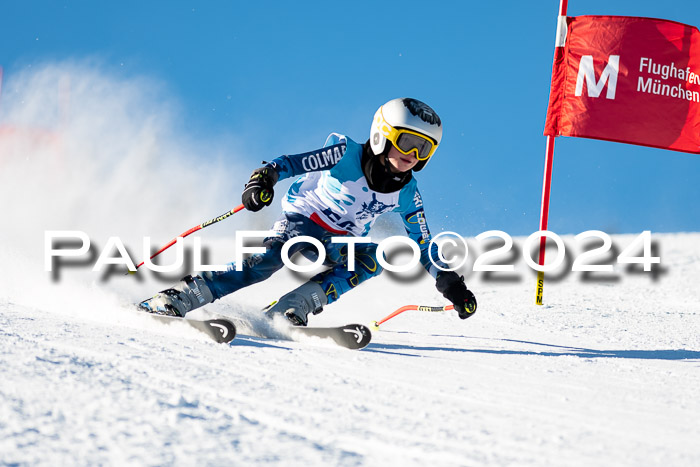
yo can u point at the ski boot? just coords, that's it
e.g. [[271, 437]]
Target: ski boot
[[297, 304], [192, 292]]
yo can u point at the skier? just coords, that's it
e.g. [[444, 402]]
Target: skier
[[343, 188]]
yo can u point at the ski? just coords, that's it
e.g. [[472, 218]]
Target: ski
[[221, 330], [350, 336]]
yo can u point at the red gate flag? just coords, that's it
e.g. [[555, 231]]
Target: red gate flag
[[630, 80]]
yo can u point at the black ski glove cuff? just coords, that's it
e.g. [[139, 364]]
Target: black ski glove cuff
[[258, 192], [452, 287]]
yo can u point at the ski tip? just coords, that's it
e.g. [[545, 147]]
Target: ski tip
[[224, 331], [361, 336]]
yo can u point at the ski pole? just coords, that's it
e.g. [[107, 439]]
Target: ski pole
[[376, 324], [191, 231]]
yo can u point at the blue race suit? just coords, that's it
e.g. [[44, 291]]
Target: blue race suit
[[331, 198]]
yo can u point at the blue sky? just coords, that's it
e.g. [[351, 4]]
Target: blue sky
[[280, 76]]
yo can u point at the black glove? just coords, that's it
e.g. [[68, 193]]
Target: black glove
[[452, 287], [258, 191]]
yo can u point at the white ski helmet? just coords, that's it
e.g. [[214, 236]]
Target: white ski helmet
[[406, 114]]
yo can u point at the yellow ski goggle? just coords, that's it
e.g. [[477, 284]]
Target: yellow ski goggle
[[408, 141]]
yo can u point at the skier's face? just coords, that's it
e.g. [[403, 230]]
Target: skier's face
[[399, 162]]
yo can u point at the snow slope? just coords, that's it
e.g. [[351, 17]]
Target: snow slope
[[606, 373]]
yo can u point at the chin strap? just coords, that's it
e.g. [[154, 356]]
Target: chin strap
[[379, 177], [397, 176]]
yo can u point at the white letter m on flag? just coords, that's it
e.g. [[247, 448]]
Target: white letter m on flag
[[586, 70]]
